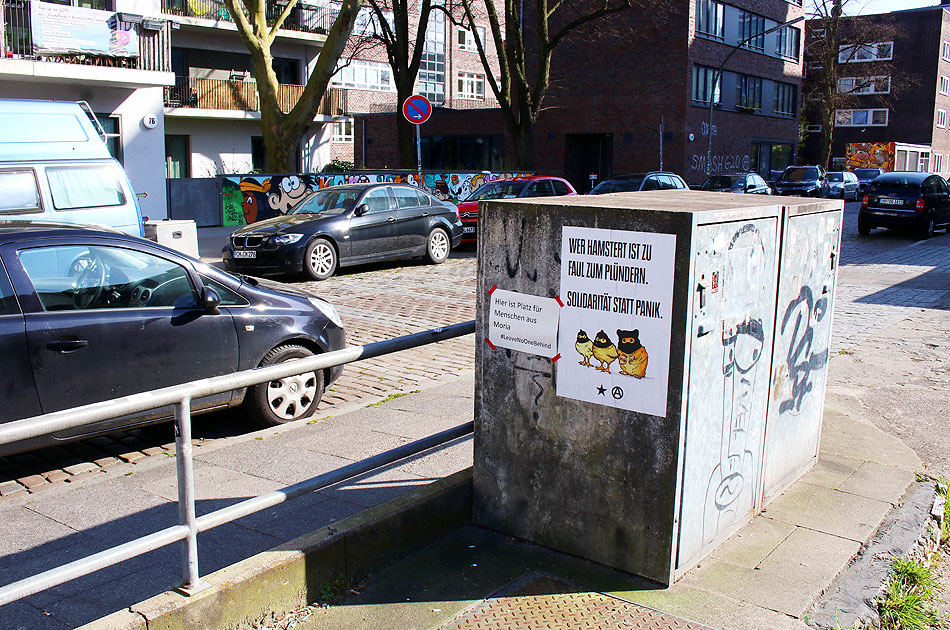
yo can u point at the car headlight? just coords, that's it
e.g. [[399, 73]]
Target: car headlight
[[327, 309], [285, 239]]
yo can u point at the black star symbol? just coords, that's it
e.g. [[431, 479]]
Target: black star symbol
[[601, 390]]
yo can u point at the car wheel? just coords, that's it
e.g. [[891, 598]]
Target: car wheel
[[438, 246], [864, 227], [320, 260], [277, 402], [927, 229]]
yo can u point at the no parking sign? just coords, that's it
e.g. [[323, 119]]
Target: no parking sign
[[417, 109]]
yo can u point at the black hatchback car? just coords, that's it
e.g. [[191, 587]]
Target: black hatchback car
[[919, 201], [347, 225], [89, 314], [802, 181]]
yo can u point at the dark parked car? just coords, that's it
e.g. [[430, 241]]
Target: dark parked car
[[750, 183], [802, 181], [866, 176], [843, 184], [920, 201], [520, 187], [656, 180], [347, 225], [89, 314]]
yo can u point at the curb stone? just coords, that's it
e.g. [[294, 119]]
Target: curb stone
[[851, 597]]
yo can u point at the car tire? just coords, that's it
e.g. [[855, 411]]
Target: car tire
[[438, 246], [320, 261], [864, 228], [275, 403], [927, 229]]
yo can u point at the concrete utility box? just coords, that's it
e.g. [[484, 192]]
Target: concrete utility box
[[636, 437], [180, 235]]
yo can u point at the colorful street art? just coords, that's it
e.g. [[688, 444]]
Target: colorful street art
[[251, 198], [870, 155]]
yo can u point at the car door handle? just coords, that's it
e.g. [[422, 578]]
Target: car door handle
[[67, 345], [391, 220]]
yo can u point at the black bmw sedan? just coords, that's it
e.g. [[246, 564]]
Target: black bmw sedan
[[90, 314], [916, 201], [347, 225]]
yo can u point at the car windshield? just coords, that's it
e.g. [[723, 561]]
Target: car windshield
[[868, 173], [835, 177], [798, 174], [498, 190], [620, 184], [715, 182], [329, 201]]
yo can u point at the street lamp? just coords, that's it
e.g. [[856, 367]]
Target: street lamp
[[717, 78]]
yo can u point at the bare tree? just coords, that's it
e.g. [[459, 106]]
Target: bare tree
[[834, 41], [282, 131], [525, 58]]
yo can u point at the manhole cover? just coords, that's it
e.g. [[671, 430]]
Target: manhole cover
[[536, 601]]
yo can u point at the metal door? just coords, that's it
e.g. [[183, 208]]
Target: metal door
[[731, 333], [806, 287]]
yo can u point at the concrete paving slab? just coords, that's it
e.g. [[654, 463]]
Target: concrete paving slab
[[337, 440], [29, 617], [43, 531], [270, 458], [855, 438], [876, 481], [407, 424], [298, 517], [831, 471], [753, 543], [375, 487], [714, 609], [455, 456], [214, 485], [829, 511]]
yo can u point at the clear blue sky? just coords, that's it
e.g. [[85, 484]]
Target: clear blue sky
[[854, 7]]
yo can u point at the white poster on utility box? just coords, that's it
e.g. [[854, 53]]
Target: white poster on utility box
[[614, 331], [527, 323]]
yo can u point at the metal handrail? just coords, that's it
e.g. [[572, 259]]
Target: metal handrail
[[181, 396]]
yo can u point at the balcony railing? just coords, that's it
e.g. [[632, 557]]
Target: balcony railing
[[302, 18], [242, 96], [16, 42]]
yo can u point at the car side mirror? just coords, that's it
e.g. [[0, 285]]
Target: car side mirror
[[210, 299], [360, 210]]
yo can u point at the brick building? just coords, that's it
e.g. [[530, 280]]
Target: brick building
[[898, 93], [615, 84]]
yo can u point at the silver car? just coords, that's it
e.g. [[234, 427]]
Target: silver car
[[843, 184]]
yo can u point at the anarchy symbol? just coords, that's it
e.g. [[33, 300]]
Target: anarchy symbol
[[617, 393]]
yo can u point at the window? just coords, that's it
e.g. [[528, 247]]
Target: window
[[20, 192], [75, 187], [703, 85], [938, 163], [467, 41], [540, 188], [787, 42], [110, 125], [342, 130], [881, 51], [709, 18], [784, 102], [367, 22], [748, 92], [405, 197], [813, 129], [377, 200], [942, 118], [70, 277], [864, 85], [819, 33], [946, 51], [432, 65], [751, 28], [560, 188], [365, 75], [944, 84], [861, 117], [471, 85]]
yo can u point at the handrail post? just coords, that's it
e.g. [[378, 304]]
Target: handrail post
[[186, 499]]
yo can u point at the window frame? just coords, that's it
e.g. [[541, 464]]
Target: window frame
[[784, 42], [870, 112], [784, 92], [709, 74], [941, 122], [338, 133], [743, 84], [844, 48], [871, 82], [710, 11], [480, 33], [752, 25], [465, 80]]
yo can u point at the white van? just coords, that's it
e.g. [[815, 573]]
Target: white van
[[54, 165]]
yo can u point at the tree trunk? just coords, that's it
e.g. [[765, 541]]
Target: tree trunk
[[405, 134]]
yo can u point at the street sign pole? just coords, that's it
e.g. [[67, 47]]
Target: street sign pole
[[417, 110]]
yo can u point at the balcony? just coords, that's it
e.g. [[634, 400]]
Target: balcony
[[302, 19], [152, 40], [241, 96]]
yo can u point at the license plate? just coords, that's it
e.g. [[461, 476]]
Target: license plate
[[469, 230], [891, 202], [244, 253]]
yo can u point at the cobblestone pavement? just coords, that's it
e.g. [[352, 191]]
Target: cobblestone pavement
[[375, 302], [883, 279]]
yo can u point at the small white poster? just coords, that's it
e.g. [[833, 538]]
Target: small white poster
[[614, 335], [522, 322]]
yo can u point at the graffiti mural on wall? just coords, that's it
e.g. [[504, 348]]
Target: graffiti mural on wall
[[251, 198], [720, 163], [870, 155]]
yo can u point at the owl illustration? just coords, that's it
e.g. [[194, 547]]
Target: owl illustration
[[584, 347]]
